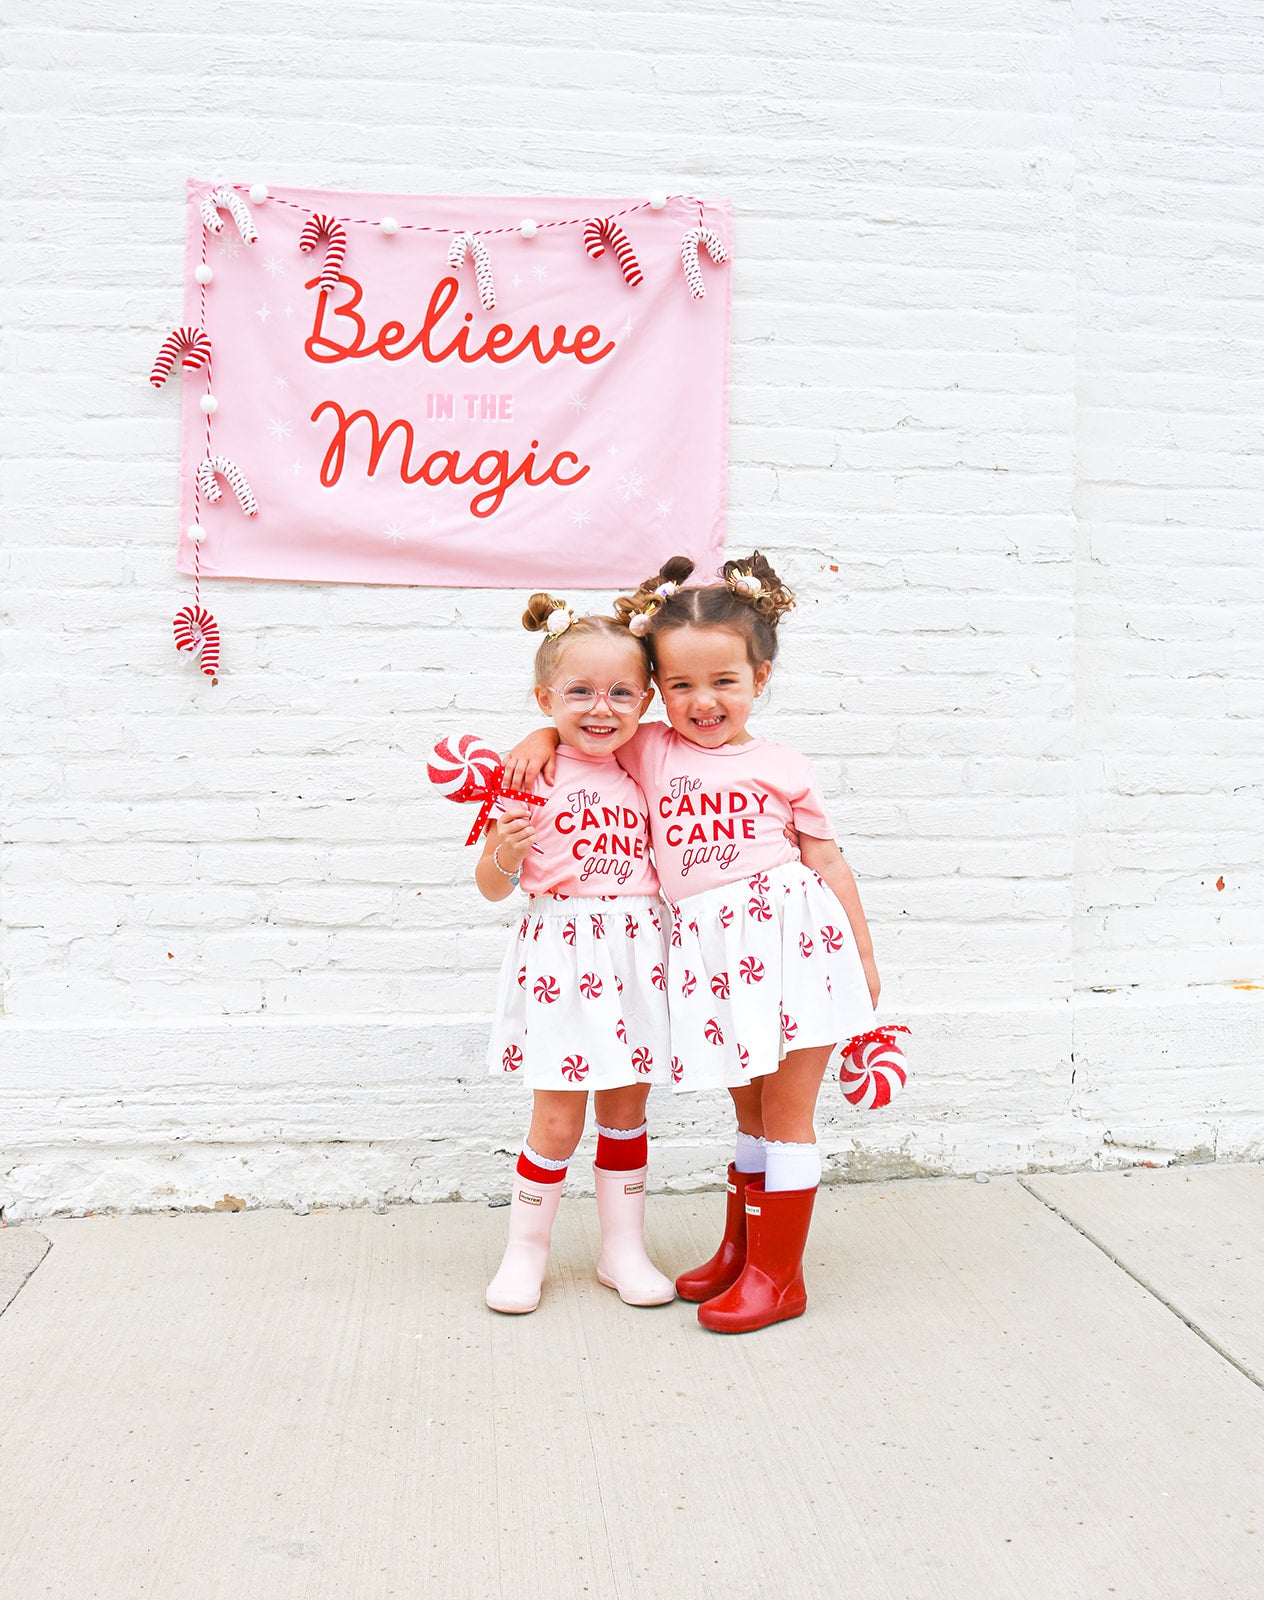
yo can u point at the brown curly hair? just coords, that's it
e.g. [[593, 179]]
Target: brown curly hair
[[535, 619], [754, 617]]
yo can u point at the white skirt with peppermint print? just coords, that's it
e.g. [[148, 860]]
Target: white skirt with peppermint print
[[759, 968], [582, 1001]]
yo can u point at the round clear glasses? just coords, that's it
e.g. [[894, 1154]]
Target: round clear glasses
[[577, 694]]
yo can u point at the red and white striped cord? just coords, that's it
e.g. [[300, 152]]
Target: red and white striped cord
[[470, 243], [602, 231], [224, 199], [319, 226], [215, 467], [190, 344], [715, 248]]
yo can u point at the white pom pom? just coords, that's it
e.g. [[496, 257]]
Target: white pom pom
[[529, 227], [193, 533], [258, 193], [558, 621], [203, 273], [209, 404], [389, 225], [657, 200]]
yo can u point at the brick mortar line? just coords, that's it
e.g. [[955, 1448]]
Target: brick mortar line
[[1150, 1288]]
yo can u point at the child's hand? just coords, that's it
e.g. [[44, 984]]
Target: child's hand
[[513, 835], [531, 756]]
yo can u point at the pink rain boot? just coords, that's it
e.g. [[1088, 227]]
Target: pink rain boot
[[623, 1264], [516, 1286]]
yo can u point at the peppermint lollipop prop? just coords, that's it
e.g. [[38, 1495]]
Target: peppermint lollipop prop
[[467, 769], [873, 1068]]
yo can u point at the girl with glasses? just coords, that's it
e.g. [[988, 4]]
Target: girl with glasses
[[581, 1004]]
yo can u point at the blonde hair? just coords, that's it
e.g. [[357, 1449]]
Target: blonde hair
[[535, 619]]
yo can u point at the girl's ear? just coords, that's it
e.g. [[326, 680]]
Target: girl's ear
[[762, 674], [542, 700]]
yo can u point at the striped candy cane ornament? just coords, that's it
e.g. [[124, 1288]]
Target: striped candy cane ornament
[[215, 467], [318, 226], [190, 344], [470, 243], [196, 629], [715, 248], [602, 231], [227, 200]]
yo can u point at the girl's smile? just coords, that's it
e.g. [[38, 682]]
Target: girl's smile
[[598, 695], [709, 686]]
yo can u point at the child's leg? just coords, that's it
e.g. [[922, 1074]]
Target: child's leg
[[788, 1105], [557, 1120], [619, 1173], [713, 1277]]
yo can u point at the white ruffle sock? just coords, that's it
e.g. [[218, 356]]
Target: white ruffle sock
[[792, 1166], [752, 1153], [623, 1264]]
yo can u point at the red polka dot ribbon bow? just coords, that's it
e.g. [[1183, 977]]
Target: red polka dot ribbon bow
[[468, 769]]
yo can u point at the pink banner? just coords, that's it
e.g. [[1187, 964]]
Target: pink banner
[[471, 399]]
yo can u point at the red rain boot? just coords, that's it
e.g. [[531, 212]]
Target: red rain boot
[[770, 1288], [725, 1266]]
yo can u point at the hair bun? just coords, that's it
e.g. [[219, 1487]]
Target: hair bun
[[540, 607]]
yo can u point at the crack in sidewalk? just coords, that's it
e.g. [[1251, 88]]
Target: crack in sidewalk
[[1150, 1288]]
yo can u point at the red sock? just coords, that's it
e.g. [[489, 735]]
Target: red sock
[[623, 1151], [534, 1168]]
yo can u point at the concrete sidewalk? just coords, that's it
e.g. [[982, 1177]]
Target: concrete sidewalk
[[1012, 1391]]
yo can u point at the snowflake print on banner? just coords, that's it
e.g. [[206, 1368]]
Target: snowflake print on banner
[[631, 486], [642, 1060], [522, 977], [512, 1058], [688, 983], [752, 971], [789, 1027], [575, 1069], [678, 1070], [659, 976], [621, 1031], [713, 1032], [831, 938], [726, 916], [547, 990], [590, 986], [720, 986], [760, 910], [806, 946], [631, 927]]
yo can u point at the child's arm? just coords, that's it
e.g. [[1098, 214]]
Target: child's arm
[[504, 850], [824, 856], [529, 758]]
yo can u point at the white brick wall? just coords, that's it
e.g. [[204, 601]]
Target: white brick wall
[[995, 410]]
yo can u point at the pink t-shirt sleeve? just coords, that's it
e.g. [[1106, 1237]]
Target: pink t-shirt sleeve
[[641, 755], [807, 802]]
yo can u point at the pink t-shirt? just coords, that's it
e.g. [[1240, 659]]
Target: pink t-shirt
[[718, 816], [592, 833]]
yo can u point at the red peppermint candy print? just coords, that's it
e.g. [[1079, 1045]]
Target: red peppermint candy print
[[726, 916], [539, 929], [678, 1070], [631, 926], [621, 1032], [675, 938], [599, 927], [658, 926], [590, 986], [522, 977], [806, 946], [831, 938], [720, 986], [575, 1069], [659, 976], [642, 1060], [693, 928], [512, 1059], [522, 931], [789, 1027], [547, 990], [713, 1032], [759, 883], [568, 931], [618, 983], [688, 983], [743, 1056], [760, 910], [752, 971]]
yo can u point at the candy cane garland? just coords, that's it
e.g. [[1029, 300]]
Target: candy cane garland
[[196, 629], [463, 243], [190, 344], [318, 226], [227, 200], [215, 467], [715, 248], [602, 231]]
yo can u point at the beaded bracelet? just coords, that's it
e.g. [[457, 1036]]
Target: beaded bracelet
[[512, 876]]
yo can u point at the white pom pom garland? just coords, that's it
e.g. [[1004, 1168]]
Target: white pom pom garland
[[528, 227], [258, 193], [203, 273], [209, 404], [389, 225]]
